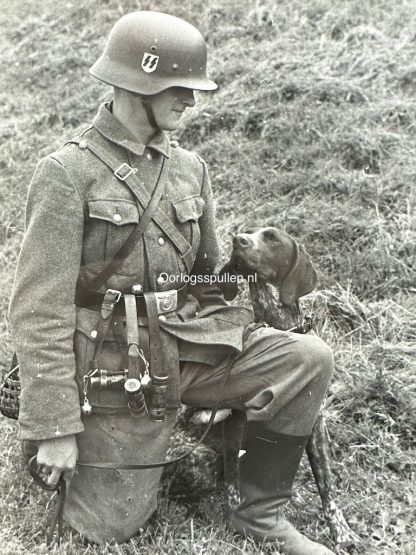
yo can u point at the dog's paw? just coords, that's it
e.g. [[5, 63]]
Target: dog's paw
[[203, 416]]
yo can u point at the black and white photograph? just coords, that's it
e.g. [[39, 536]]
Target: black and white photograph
[[208, 277]]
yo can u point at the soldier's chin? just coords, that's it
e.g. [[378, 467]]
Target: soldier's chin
[[170, 124]]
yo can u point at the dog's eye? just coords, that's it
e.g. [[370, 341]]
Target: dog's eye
[[251, 229], [270, 235]]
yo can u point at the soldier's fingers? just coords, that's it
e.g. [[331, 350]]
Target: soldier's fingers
[[53, 477]]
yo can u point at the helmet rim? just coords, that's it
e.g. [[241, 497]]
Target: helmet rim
[[177, 48]]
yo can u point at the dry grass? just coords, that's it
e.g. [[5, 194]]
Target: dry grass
[[313, 130]]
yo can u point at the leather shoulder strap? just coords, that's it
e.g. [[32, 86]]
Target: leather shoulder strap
[[161, 219], [137, 232]]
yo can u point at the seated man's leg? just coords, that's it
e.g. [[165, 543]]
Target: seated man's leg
[[279, 381]]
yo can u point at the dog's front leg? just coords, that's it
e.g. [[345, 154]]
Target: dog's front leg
[[317, 450]]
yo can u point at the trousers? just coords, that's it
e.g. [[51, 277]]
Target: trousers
[[280, 379]]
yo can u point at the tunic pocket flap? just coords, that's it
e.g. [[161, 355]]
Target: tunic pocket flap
[[87, 321], [118, 212], [190, 208]]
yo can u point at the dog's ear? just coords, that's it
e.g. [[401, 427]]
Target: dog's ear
[[228, 288], [301, 280]]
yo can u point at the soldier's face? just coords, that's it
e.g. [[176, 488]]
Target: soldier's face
[[169, 105]]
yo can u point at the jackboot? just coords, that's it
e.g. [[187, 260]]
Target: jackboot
[[267, 472]]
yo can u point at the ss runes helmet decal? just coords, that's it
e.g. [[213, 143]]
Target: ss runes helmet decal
[[149, 62]]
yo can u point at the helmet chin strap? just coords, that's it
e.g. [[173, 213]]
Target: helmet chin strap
[[149, 112]]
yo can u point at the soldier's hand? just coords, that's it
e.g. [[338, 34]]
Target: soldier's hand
[[57, 456]]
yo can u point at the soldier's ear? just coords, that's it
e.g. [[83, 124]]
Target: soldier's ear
[[302, 278]]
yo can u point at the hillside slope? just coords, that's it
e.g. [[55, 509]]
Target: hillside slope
[[312, 130]]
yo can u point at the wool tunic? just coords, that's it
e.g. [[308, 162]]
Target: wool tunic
[[78, 216]]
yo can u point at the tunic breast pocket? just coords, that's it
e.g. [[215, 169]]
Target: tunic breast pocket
[[108, 226], [188, 211]]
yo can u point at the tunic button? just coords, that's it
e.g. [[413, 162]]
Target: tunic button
[[117, 218], [161, 241], [149, 156], [82, 145], [161, 280], [163, 318], [137, 289], [94, 334]]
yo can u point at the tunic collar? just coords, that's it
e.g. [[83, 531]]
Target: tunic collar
[[115, 132]]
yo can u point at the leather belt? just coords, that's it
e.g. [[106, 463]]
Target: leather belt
[[167, 301]]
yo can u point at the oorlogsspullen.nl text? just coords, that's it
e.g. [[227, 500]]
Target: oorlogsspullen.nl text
[[211, 279]]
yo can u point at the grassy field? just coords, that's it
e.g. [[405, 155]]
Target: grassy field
[[313, 129]]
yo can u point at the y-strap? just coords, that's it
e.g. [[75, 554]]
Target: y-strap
[[139, 191], [137, 232]]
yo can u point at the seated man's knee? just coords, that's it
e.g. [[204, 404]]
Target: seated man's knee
[[277, 354], [316, 356], [321, 356]]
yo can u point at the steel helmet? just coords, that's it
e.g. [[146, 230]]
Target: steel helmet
[[148, 52]]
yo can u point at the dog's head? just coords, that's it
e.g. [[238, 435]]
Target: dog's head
[[276, 258]]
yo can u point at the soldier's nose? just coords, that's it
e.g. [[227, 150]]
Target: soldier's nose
[[241, 240], [188, 98]]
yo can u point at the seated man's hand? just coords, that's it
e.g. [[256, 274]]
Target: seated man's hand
[[57, 456]]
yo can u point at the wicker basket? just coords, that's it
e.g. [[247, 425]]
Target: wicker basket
[[9, 394]]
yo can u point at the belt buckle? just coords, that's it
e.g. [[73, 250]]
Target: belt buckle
[[112, 296], [167, 301], [122, 167]]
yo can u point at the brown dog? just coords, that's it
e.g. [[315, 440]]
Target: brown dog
[[278, 270], [283, 273]]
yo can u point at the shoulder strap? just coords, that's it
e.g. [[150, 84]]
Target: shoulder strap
[[137, 232], [161, 219]]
